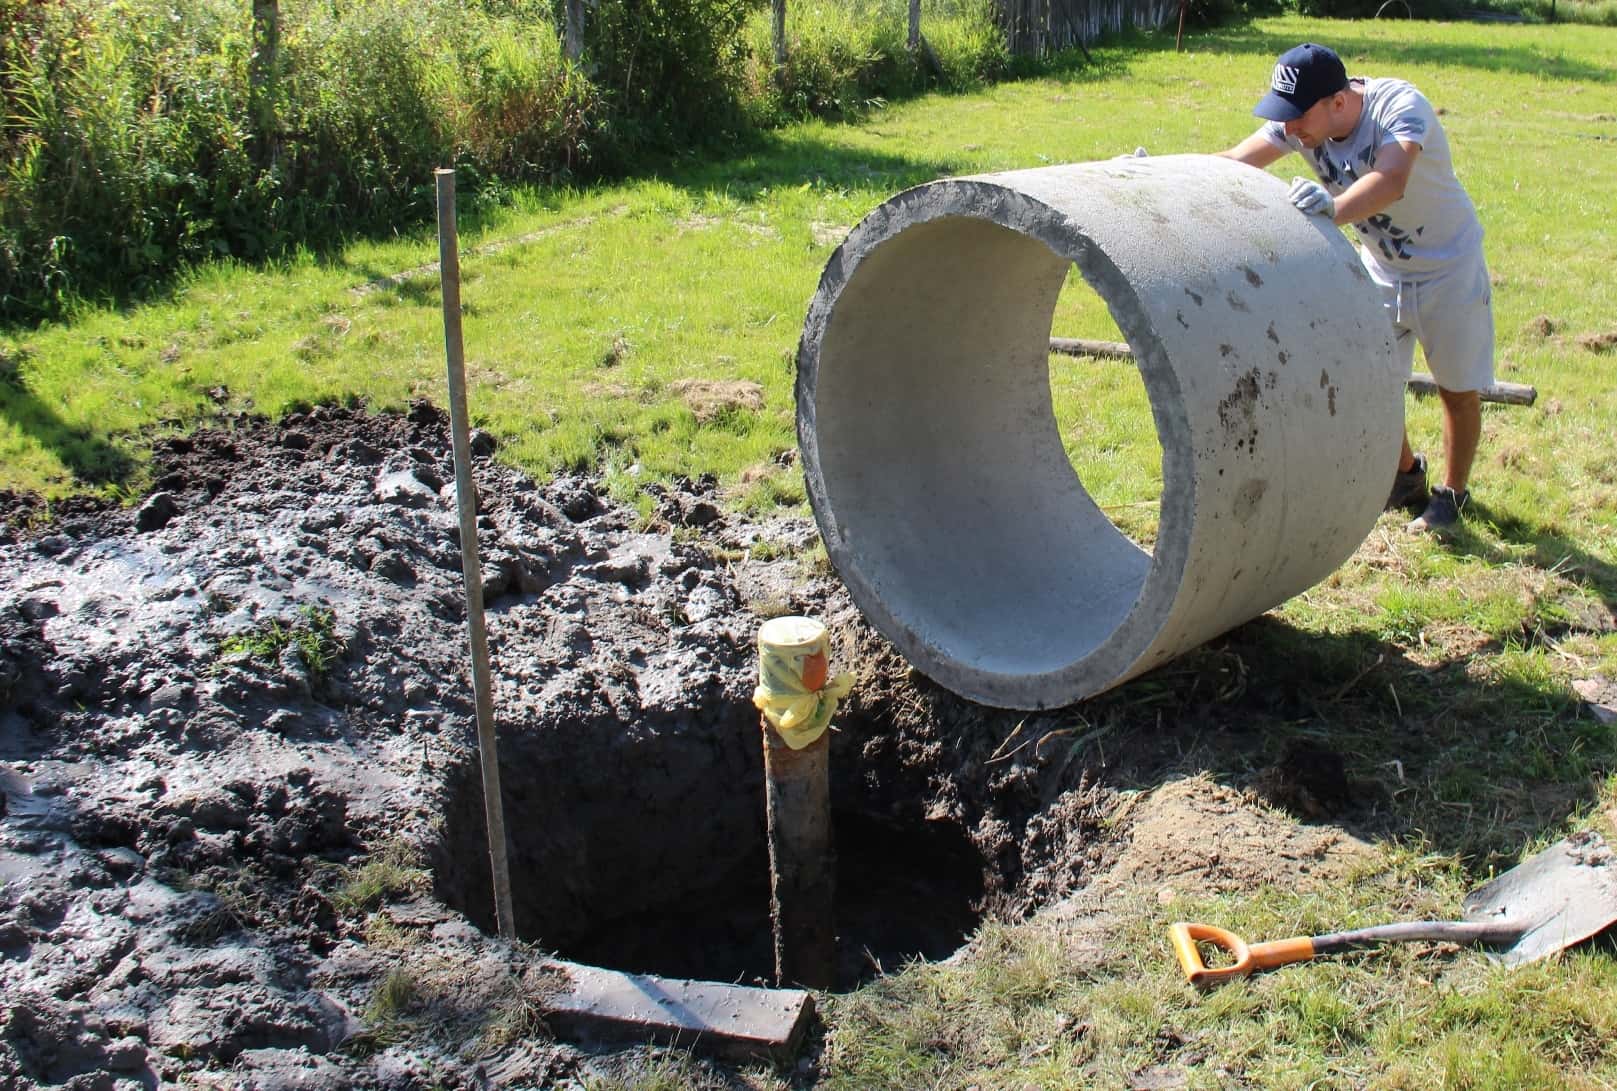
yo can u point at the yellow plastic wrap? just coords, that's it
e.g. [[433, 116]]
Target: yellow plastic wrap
[[794, 693]]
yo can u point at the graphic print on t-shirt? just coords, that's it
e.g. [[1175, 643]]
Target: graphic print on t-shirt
[[1434, 222]]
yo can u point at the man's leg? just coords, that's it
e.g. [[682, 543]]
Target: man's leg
[[1462, 427], [1409, 483], [1456, 318], [1462, 431]]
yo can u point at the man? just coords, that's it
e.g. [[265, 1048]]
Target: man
[[1383, 164]]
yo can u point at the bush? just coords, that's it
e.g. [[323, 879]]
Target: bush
[[970, 46], [125, 149], [843, 58], [1216, 12], [133, 142], [671, 72], [838, 62], [1387, 9], [530, 114], [140, 136]]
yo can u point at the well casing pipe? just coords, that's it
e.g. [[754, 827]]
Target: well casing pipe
[[802, 861], [798, 698]]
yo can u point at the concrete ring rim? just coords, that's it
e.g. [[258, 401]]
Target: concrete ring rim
[[978, 198]]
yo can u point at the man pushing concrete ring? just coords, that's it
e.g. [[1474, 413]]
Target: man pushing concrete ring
[[1383, 164]]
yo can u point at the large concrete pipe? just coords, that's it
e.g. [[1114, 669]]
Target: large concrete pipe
[[930, 445]]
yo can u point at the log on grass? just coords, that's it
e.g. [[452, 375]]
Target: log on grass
[[1419, 382]]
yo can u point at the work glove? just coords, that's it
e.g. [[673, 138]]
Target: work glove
[[1312, 198], [1137, 153]]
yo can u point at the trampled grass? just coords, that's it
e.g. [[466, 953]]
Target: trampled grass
[[1036, 1006], [1440, 670]]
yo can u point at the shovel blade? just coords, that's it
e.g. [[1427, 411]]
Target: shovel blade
[[1559, 897]]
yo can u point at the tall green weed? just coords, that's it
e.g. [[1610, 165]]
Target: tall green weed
[[968, 44], [132, 143], [1591, 12], [1594, 12], [124, 143], [140, 137], [671, 71], [844, 57]]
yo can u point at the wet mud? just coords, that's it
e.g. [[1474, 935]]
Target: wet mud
[[221, 705]]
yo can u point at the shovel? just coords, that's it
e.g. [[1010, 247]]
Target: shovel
[[1558, 898]]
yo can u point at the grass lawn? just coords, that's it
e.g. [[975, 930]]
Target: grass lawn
[[588, 313]]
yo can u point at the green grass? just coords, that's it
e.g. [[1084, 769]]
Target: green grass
[[393, 871], [1035, 1006], [312, 636], [1439, 671]]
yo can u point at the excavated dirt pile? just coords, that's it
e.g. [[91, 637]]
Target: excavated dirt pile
[[226, 710]]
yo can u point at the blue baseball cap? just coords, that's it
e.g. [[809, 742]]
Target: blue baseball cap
[[1302, 76]]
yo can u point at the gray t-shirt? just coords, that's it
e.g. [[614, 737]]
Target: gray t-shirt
[[1434, 222]]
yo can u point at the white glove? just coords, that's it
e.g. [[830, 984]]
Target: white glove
[[1312, 198], [1137, 153]]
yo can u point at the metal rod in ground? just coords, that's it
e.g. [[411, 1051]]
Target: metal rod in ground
[[802, 863], [466, 496], [1419, 382]]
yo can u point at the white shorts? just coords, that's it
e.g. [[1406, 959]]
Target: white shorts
[[1450, 313]]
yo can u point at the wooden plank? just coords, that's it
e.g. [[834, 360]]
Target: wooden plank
[[730, 1021], [1419, 382]]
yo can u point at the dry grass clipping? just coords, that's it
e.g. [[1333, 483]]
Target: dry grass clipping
[[710, 398]]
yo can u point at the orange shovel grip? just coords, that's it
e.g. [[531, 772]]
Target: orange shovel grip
[[1248, 957]]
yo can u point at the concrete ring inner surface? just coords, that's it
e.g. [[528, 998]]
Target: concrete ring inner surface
[[936, 467]]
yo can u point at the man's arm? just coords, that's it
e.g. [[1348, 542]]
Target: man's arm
[[1382, 187], [1255, 151]]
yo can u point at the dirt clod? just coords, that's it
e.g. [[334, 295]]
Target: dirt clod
[[1599, 342]]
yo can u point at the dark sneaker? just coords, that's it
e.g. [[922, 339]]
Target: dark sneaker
[[1442, 510], [1409, 487]]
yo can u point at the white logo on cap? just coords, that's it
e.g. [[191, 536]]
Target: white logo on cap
[[1285, 79]]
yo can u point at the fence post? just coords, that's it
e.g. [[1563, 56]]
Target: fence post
[[777, 33], [262, 68], [573, 38]]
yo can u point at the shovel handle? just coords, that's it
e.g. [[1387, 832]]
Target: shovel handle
[[1266, 956], [1248, 956]]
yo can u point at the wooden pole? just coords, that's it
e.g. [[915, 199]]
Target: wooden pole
[[802, 871], [573, 37], [1179, 39], [777, 34], [915, 25], [1419, 382], [263, 69], [466, 496]]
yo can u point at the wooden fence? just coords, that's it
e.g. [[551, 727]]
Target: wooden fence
[[1036, 27], [1032, 27]]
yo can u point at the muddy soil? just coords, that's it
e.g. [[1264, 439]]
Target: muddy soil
[[221, 708]]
